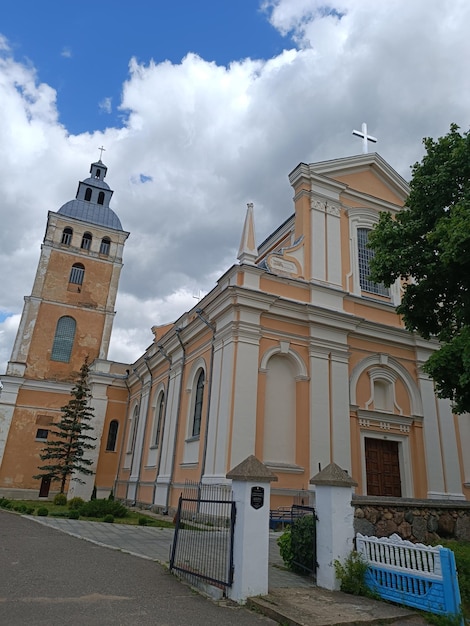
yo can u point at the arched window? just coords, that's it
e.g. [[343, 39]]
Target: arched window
[[67, 236], [86, 241], [365, 254], [88, 194], [159, 418], [77, 274], [197, 413], [63, 339], [112, 436], [98, 173], [101, 197], [104, 246], [133, 429]]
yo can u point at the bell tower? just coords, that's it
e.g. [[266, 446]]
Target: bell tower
[[68, 316]]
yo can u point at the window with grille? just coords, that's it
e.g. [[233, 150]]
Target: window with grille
[[63, 339], [365, 254], [104, 246], [197, 414], [77, 274], [67, 236], [86, 241], [112, 436]]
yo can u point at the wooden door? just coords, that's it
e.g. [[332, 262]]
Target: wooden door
[[44, 488], [382, 468]]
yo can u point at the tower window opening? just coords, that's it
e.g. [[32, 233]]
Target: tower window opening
[[77, 274], [101, 197], [67, 236], [86, 241], [104, 246], [88, 194], [98, 173], [63, 339]]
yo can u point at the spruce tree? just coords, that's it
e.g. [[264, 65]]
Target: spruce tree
[[64, 454]]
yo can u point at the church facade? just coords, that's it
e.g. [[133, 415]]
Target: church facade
[[295, 356]]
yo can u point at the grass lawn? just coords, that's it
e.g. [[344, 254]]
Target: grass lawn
[[55, 510]]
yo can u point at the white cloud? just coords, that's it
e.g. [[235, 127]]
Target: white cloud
[[208, 139], [66, 52], [106, 105]]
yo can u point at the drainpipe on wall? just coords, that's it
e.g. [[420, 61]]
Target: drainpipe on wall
[[116, 480], [173, 460], [199, 313], [162, 434]]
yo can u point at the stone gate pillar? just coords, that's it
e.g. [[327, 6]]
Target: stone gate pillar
[[335, 525], [252, 493]]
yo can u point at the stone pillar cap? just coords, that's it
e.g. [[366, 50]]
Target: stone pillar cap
[[333, 476], [253, 471]]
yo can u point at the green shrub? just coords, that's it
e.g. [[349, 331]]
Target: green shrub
[[60, 499], [352, 575], [296, 544], [20, 508], [100, 508], [76, 503], [109, 519], [43, 511], [143, 521], [30, 510], [4, 502], [285, 548], [74, 514], [59, 513], [9, 506]]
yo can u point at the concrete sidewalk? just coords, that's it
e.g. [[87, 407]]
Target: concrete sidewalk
[[292, 599]]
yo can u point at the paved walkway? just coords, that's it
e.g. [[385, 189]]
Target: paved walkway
[[292, 599], [155, 543]]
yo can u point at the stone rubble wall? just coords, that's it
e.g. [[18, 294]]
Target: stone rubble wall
[[419, 521]]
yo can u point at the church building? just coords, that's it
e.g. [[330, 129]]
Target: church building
[[294, 356]]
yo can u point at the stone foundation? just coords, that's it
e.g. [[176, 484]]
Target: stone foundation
[[419, 521]]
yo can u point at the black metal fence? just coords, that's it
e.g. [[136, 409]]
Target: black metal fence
[[304, 539], [203, 540]]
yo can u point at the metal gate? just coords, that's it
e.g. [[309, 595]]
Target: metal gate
[[304, 539], [203, 540]]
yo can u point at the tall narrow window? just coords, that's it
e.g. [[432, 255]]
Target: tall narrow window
[[77, 274], [86, 241], [158, 427], [104, 246], [98, 173], [133, 429], [197, 414], [67, 236], [88, 194], [101, 197], [112, 436], [365, 254], [63, 339]]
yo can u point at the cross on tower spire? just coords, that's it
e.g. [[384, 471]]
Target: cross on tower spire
[[101, 151], [365, 137]]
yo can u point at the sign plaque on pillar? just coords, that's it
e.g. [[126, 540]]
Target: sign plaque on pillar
[[257, 497]]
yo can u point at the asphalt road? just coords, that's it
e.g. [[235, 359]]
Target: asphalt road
[[50, 578]]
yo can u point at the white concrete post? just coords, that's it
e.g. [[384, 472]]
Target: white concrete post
[[335, 525], [251, 491]]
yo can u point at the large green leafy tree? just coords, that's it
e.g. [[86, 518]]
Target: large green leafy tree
[[428, 246], [65, 452]]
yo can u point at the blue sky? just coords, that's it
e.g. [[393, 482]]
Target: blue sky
[[204, 106], [83, 49]]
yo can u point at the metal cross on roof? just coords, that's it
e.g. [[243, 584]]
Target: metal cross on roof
[[365, 137], [102, 150]]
